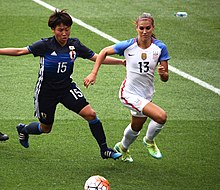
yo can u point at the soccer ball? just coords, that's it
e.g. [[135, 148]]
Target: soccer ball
[[97, 182]]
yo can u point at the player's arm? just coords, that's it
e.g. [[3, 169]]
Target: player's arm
[[99, 59], [109, 60], [163, 71], [14, 51]]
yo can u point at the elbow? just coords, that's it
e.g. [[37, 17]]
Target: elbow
[[104, 52], [19, 53], [22, 51], [164, 78]]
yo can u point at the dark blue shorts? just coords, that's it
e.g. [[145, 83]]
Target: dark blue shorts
[[46, 102]]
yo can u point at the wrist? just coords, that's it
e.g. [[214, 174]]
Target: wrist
[[94, 73]]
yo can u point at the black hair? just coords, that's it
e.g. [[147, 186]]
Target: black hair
[[58, 17]]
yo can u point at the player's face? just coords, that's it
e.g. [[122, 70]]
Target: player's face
[[145, 29], [62, 33]]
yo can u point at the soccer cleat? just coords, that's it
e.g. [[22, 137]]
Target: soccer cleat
[[126, 157], [109, 153], [23, 138], [152, 149], [3, 137]]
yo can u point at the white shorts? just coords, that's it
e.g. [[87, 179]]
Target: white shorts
[[135, 103]]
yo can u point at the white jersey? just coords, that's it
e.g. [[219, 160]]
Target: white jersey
[[141, 65], [138, 87]]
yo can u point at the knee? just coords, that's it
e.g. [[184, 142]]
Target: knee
[[162, 118], [91, 115], [88, 114], [46, 128]]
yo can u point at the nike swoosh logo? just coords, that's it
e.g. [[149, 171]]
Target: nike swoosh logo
[[130, 54]]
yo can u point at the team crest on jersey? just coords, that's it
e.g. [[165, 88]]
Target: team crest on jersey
[[155, 55], [43, 115], [72, 52], [143, 56]]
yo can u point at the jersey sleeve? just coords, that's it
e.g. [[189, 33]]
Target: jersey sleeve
[[120, 47], [164, 52], [83, 51], [38, 48]]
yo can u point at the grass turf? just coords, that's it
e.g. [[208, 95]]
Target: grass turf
[[65, 158]]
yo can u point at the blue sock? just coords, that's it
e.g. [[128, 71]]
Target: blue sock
[[33, 128], [98, 132]]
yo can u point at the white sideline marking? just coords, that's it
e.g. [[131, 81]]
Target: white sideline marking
[[110, 38], [194, 79]]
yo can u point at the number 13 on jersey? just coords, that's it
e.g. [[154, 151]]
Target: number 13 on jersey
[[143, 66]]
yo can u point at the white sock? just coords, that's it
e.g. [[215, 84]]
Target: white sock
[[129, 136], [153, 130]]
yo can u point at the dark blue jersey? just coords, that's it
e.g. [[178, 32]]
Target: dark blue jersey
[[57, 62]]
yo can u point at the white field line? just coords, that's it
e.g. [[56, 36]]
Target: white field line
[[110, 38]]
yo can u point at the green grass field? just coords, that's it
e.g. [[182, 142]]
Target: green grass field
[[66, 157]]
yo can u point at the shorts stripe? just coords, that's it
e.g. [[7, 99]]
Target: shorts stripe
[[37, 88], [124, 99], [131, 105], [122, 88]]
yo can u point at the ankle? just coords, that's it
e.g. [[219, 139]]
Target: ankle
[[148, 141], [123, 148]]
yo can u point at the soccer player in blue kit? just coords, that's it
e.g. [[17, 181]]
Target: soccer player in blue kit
[[144, 54], [57, 56]]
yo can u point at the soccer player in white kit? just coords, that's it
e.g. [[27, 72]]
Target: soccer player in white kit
[[143, 55]]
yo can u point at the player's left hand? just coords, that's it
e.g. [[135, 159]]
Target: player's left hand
[[161, 70], [90, 79]]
